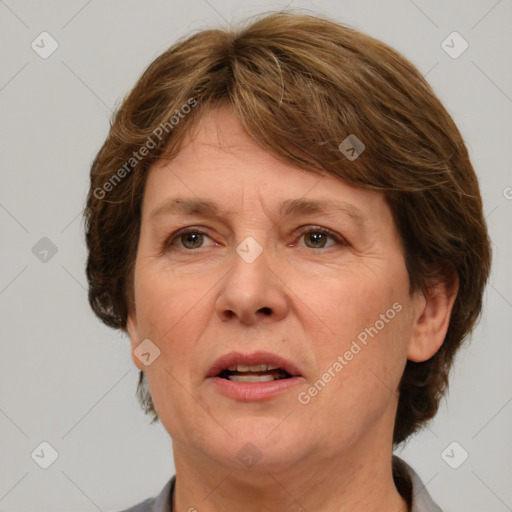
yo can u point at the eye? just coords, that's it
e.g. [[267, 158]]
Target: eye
[[188, 238], [316, 237]]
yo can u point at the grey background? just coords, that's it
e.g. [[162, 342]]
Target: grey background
[[67, 380]]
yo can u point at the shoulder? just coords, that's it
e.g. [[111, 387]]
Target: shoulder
[[412, 488], [160, 503]]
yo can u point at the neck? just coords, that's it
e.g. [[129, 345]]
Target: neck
[[346, 482]]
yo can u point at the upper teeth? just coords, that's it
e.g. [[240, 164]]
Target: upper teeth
[[252, 368]]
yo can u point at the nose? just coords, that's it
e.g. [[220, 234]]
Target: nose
[[252, 292]]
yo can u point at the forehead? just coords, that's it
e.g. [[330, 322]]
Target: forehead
[[219, 166]]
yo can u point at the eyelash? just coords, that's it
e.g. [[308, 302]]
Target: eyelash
[[303, 230]]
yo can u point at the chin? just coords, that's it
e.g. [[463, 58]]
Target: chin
[[258, 444]]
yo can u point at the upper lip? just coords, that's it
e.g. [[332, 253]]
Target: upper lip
[[235, 358]]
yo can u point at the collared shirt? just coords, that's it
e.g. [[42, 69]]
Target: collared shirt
[[408, 483]]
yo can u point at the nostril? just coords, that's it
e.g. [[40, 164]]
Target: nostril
[[266, 311]]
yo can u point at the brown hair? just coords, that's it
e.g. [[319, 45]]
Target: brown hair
[[300, 85]]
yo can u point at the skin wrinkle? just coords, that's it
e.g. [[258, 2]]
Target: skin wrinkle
[[206, 209], [289, 206], [319, 301], [416, 181]]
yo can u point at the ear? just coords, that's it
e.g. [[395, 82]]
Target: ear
[[131, 327], [432, 318]]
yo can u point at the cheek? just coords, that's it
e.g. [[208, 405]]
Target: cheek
[[352, 304], [172, 313], [361, 353], [167, 303], [357, 384]]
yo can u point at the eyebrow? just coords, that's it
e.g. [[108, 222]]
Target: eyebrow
[[209, 208], [186, 206], [298, 206]]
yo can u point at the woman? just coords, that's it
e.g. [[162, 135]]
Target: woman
[[286, 222]]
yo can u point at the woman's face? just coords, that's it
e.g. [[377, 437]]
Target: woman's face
[[282, 268]]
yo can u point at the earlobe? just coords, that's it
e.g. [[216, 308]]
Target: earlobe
[[434, 308]]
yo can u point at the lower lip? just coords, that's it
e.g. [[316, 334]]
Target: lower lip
[[252, 391]]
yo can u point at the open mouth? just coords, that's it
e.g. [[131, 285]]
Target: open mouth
[[253, 377], [253, 373]]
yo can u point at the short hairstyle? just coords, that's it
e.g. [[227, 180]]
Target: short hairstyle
[[300, 85]]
